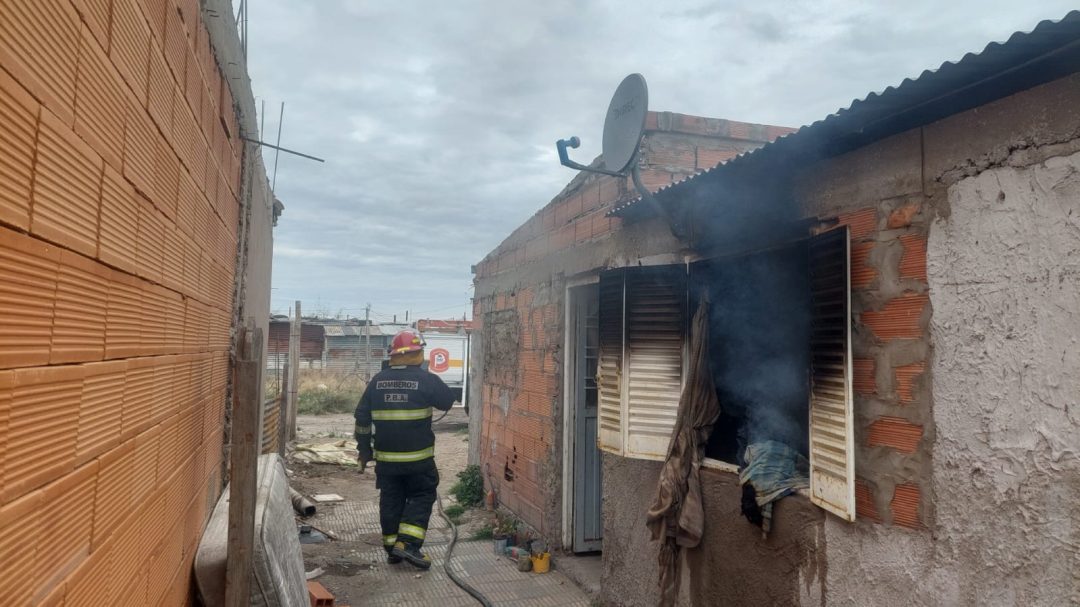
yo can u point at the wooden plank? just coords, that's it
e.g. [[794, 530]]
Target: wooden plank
[[283, 415], [295, 332], [244, 462]]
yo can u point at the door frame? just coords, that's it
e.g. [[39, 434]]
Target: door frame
[[569, 406]]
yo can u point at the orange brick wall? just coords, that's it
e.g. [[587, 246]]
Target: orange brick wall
[[892, 310], [119, 173], [522, 436]]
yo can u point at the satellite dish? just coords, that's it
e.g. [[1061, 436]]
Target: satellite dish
[[623, 127], [625, 122]]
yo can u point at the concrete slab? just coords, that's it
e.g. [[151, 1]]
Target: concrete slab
[[583, 570], [380, 584]]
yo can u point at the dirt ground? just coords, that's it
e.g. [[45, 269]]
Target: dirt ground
[[352, 561], [451, 450]]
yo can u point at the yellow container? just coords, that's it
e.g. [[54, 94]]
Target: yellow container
[[541, 562]]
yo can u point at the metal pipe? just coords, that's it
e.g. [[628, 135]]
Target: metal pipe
[[286, 150], [277, 148], [300, 503]]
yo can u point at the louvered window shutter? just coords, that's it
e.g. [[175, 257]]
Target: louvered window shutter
[[609, 370], [832, 437], [656, 330]]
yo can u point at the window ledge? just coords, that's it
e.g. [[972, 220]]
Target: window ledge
[[721, 466]]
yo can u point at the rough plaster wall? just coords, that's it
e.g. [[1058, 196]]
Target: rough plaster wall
[[549, 477], [870, 564], [1004, 271], [501, 341], [779, 570], [629, 574], [732, 566], [476, 392], [257, 273]]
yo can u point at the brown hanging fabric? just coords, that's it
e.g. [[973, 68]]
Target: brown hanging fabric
[[677, 516]]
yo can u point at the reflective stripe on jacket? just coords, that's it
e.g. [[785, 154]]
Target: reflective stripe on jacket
[[394, 415]]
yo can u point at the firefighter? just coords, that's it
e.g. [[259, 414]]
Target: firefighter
[[398, 401]]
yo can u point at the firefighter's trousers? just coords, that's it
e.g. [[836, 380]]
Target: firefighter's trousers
[[405, 502]]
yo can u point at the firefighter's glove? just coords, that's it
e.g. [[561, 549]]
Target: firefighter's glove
[[363, 456]]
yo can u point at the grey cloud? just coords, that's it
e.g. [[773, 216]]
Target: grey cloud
[[438, 120]]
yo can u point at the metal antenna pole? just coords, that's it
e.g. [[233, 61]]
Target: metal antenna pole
[[367, 343], [241, 22], [277, 152]]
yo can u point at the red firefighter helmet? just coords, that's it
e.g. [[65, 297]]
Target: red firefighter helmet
[[406, 341]]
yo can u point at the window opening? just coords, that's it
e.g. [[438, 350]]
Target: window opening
[[780, 354], [760, 330]]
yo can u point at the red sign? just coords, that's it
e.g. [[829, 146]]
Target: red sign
[[439, 360]]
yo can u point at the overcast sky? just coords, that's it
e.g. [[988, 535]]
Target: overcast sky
[[438, 120]]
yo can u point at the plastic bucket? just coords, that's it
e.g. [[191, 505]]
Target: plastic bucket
[[541, 562]]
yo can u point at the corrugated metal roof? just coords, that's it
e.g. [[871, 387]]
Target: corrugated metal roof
[[444, 326], [1027, 59], [351, 331]]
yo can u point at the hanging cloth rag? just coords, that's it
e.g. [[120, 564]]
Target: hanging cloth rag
[[677, 515]]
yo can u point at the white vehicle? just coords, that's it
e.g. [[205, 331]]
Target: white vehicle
[[448, 357]]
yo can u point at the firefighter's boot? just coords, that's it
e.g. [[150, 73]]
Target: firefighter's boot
[[411, 553], [392, 558]]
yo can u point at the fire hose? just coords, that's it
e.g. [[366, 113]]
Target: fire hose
[[473, 592]]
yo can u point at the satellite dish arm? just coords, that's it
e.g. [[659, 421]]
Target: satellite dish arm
[[676, 226], [564, 158], [677, 229]]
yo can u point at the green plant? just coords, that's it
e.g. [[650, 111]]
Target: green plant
[[507, 525], [486, 532], [320, 402], [469, 490], [454, 512]]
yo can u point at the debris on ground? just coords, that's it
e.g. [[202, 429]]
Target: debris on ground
[[341, 453], [310, 536], [319, 595]]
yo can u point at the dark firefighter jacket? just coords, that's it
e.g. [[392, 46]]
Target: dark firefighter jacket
[[396, 411]]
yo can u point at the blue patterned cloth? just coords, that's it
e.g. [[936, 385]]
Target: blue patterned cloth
[[774, 470]]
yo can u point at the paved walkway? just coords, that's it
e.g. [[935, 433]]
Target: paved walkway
[[356, 525]]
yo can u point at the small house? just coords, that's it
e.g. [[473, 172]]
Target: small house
[[891, 293]]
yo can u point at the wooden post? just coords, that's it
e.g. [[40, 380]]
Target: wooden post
[[283, 415], [367, 343], [295, 334], [244, 465]]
